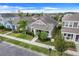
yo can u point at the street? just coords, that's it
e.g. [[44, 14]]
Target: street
[[9, 50]]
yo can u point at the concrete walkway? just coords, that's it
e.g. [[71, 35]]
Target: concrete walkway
[[29, 42], [34, 39], [8, 33]]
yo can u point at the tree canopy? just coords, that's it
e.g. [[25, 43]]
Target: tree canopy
[[22, 24]]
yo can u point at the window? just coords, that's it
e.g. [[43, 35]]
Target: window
[[70, 24], [65, 24], [75, 24], [64, 34], [68, 36]]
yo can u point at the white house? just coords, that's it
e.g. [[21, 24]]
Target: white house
[[44, 23], [70, 28]]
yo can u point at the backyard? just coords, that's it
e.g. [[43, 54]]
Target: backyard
[[22, 35]]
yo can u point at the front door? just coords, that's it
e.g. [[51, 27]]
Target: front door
[[77, 37]]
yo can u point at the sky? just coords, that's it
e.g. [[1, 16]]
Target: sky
[[40, 7]]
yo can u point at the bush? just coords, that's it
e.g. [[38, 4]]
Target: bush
[[2, 27], [70, 45], [44, 40], [30, 33], [8, 29], [43, 36]]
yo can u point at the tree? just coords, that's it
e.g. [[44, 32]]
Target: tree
[[60, 44], [22, 25], [42, 35], [20, 14]]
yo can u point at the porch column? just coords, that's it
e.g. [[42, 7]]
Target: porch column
[[34, 30], [49, 34], [74, 37]]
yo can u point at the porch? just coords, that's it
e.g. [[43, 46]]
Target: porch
[[36, 32], [71, 37]]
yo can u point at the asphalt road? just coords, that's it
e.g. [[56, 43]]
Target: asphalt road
[[9, 50]]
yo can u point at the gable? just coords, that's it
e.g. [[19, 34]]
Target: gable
[[39, 22]]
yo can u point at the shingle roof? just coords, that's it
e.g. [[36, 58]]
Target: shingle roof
[[5, 15], [71, 30], [49, 23], [47, 19], [71, 17], [42, 27]]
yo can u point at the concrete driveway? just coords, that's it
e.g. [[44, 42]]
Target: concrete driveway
[[9, 50]]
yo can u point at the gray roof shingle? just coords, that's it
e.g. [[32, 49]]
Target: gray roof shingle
[[49, 23], [74, 30], [71, 17]]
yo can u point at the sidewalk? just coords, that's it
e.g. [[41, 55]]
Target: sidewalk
[[29, 42], [25, 48]]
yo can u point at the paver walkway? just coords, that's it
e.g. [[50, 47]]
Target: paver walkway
[[29, 42]]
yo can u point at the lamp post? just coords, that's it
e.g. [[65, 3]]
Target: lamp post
[[50, 51]]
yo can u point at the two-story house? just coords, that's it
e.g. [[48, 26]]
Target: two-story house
[[7, 22], [70, 28]]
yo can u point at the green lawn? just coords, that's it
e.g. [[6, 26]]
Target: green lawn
[[3, 31], [22, 35], [47, 42], [32, 47]]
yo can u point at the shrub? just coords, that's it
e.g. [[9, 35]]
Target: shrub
[[43, 36], [70, 45], [2, 27], [8, 29], [30, 33]]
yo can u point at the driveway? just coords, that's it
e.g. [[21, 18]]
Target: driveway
[[10, 50]]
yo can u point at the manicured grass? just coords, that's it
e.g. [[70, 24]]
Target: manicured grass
[[47, 42], [3, 31], [22, 35], [32, 47]]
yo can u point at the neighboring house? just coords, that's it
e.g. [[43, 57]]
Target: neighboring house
[[44, 23], [7, 22], [70, 28]]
